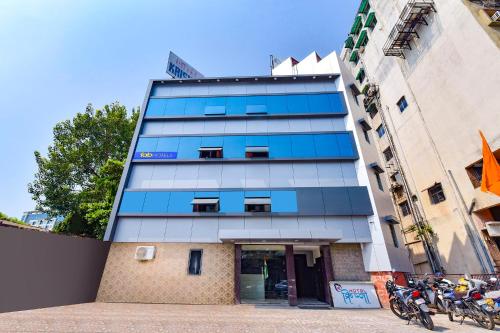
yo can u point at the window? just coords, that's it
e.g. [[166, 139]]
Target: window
[[361, 75], [405, 208], [194, 267], [436, 194], [475, 173], [402, 104], [379, 181], [372, 110], [205, 205], [394, 235], [367, 137], [257, 152], [258, 205], [210, 152], [388, 154], [380, 131]]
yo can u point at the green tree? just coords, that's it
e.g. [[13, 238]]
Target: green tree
[[5, 217], [80, 175]]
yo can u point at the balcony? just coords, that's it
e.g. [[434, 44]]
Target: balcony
[[405, 30]]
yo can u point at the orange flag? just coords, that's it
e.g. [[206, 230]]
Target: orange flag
[[491, 170]]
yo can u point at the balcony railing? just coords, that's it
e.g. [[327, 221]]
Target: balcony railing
[[412, 16]]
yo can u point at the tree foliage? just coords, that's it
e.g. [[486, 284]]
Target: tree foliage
[[80, 175], [5, 217]]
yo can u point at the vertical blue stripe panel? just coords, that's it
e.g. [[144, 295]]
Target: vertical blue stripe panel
[[188, 147], [180, 202], [303, 146], [284, 202], [234, 146], [232, 202], [280, 146], [326, 145], [175, 106], [195, 106], [168, 144], [146, 144], [212, 141], [156, 202], [156, 107], [132, 202], [235, 105], [345, 144]]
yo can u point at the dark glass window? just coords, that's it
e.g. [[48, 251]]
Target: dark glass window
[[394, 235], [402, 104], [257, 205], [257, 152], [388, 154], [367, 136], [380, 131], [215, 152], [475, 173], [379, 181], [405, 208], [195, 257], [206, 205], [436, 194]]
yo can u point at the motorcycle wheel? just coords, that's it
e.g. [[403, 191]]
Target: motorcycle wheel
[[485, 320], [397, 309], [450, 316], [426, 320]]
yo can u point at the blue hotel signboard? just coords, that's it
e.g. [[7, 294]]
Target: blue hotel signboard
[[160, 155]]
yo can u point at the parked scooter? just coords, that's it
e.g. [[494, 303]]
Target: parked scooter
[[432, 292], [469, 303], [408, 304]]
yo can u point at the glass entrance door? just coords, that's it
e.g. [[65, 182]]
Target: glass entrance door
[[263, 274]]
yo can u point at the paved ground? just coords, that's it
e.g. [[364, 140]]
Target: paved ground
[[118, 317]]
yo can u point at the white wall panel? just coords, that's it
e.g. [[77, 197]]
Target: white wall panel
[[311, 222], [233, 176], [284, 222], [256, 88], [140, 177], [214, 127], [173, 128], [299, 125], [257, 126], [349, 173], [330, 174], [305, 175], [338, 124], [152, 230], [127, 229], [320, 124], [153, 127], [163, 175], [257, 175], [210, 176], [278, 125], [281, 175], [186, 176], [235, 127], [231, 222], [258, 223], [191, 127], [343, 223], [178, 229], [361, 227], [205, 230]]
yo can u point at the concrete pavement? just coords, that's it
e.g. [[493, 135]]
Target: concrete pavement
[[120, 317]]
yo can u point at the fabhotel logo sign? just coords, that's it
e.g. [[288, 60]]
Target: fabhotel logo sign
[[180, 69]]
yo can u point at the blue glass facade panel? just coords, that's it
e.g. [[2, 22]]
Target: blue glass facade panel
[[257, 194], [234, 146], [146, 144], [206, 194], [232, 202], [188, 147], [156, 107], [303, 146], [280, 146], [132, 202], [335, 145], [180, 202], [155, 202], [241, 105], [284, 201]]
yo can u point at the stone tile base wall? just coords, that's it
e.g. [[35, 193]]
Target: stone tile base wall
[[165, 279], [348, 263]]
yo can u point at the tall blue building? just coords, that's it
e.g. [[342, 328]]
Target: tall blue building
[[242, 189]]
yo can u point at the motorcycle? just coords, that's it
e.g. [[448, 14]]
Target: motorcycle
[[471, 305], [408, 304], [433, 292]]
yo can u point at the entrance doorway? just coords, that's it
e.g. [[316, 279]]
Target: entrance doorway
[[309, 274], [263, 276]]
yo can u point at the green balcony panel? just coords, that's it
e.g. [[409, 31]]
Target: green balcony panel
[[349, 43], [371, 20], [362, 40], [364, 7], [357, 25], [354, 57]]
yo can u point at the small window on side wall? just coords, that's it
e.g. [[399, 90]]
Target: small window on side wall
[[257, 152], [258, 205], [194, 267], [210, 152], [436, 194], [402, 104]]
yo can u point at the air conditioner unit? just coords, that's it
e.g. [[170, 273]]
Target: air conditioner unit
[[143, 253]]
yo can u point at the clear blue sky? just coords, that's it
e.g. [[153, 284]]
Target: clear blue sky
[[57, 56]]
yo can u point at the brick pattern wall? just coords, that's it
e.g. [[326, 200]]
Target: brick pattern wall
[[165, 279], [348, 263], [379, 279]]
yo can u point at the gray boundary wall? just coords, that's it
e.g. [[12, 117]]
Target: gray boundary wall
[[40, 269]]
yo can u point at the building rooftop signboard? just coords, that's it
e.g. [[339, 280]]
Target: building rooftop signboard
[[180, 69]]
